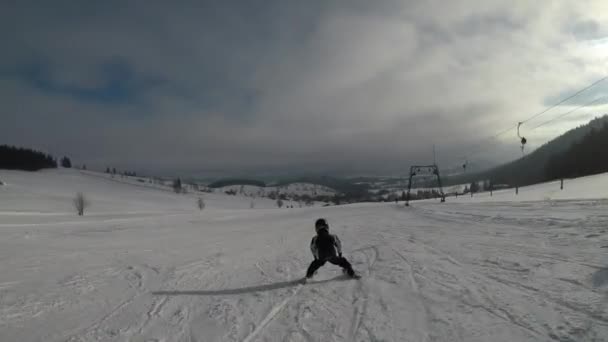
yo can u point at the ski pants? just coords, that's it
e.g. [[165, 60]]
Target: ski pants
[[340, 261]]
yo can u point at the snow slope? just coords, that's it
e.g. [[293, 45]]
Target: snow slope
[[46, 196], [590, 187], [145, 267]]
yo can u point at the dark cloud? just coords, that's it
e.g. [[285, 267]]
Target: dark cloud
[[117, 83], [586, 29], [365, 87]]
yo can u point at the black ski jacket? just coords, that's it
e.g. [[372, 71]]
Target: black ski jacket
[[324, 246]]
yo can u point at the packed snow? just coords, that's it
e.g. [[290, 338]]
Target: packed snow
[[144, 264]]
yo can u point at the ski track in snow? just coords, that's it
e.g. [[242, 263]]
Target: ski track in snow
[[275, 310], [533, 271]]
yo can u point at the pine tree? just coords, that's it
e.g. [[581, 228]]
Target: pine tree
[[66, 162], [13, 158], [177, 185]]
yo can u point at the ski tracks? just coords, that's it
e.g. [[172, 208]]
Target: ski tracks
[[360, 294], [360, 305], [474, 290], [154, 312], [417, 290], [483, 291], [135, 277], [272, 314], [170, 312], [320, 296]]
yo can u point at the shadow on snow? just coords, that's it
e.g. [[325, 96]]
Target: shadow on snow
[[249, 289], [600, 278]]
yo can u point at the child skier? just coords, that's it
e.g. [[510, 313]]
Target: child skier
[[327, 247]]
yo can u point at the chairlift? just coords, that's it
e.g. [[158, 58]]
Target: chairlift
[[523, 139], [428, 172]]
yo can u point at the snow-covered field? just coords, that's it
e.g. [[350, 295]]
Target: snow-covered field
[[590, 187], [299, 189], [144, 265]]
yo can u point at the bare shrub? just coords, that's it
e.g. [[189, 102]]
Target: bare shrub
[[280, 203], [200, 203], [177, 185], [252, 205], [80, 203]]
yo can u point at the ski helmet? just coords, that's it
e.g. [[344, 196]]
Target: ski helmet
[[321, 224]]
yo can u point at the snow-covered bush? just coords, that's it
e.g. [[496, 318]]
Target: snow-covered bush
[[177, 186], [200, 203], [80, 203]]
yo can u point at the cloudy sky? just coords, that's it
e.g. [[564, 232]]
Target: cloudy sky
[[269, 86]]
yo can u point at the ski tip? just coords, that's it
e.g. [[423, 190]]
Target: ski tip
[[354, 276]]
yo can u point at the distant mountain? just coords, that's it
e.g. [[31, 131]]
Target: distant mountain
[[531, 168], [344, 186], [341, 185], [229, 182]]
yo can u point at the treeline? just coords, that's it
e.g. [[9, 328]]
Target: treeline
[[17, 158], [123, 173], [421, 194], [583, 158], [230, 182]]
